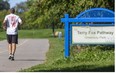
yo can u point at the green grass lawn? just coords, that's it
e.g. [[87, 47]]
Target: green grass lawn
[[90, 59]]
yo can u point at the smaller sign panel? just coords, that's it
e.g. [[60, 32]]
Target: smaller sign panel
[[93, 35]]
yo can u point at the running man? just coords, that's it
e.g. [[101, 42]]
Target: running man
[[10, 24]]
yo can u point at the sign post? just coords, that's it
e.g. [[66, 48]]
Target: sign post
[[67, 44]]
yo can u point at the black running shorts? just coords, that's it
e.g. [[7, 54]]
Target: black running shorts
[[12, 39]]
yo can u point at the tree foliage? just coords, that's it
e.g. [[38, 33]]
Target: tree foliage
[[44, 13], [21, 7], [4, 5], [3, 13]]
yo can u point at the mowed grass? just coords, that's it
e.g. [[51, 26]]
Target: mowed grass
[[90, 59], [2, 35]]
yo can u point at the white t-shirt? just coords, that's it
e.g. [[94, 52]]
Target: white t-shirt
[[12, 22]]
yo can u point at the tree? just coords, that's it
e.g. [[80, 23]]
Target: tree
[[3, 13], [4, 5], [21, 7], [44, 13]]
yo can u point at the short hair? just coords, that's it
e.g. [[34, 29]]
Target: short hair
[[12, 10]]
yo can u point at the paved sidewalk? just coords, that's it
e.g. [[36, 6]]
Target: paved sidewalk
[[29, 52]]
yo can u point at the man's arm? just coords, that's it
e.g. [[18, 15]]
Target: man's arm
[[20, 21], [4, 25]]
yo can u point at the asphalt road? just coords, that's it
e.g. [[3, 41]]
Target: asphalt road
[[29, 52]]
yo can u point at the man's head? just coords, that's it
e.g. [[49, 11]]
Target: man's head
[[12, 10]]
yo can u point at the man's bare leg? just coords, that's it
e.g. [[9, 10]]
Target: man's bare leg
[[10, 50], [13, 50]]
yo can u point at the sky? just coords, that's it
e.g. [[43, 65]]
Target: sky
[[14, 2]]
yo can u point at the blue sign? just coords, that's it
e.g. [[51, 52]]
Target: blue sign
[[88, 21]]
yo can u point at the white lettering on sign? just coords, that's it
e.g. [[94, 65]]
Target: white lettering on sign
[[93, 35]]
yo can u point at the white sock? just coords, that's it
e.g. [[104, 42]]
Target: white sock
[[10, 54]]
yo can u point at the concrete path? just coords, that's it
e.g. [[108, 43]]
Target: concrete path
[[29, 52]]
